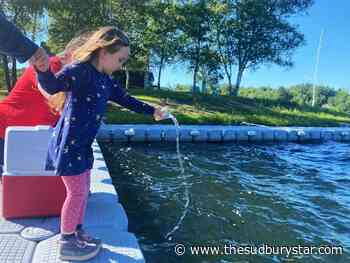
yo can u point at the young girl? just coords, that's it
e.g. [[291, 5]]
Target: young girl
[[88, 87], [27, 104]]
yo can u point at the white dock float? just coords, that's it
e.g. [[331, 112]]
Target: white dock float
[[35, 239], [229, 135], [221, 133], [215, 135]]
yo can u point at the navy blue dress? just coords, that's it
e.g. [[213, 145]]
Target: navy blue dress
[[88, 91]]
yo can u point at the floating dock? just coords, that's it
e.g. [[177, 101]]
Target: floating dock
[[220, 133], [36, 239]]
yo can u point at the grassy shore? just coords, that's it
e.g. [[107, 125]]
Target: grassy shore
[[3, 94], [202, 109]]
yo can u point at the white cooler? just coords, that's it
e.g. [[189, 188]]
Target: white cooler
[[29, 190]]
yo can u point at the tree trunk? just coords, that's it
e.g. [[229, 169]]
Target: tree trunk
[[205, 79], [14, 72], [35, 24], [229, 83], [6, 72], [228, 73], [160, 71], [234, 91], [204, 85], [195, 72]]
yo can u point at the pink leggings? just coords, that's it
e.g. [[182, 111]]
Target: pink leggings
[[73, 210]]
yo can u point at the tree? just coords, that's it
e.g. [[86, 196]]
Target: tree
[[284, 95], [69, 17], [193, 20], [26, 15], [258, 32], [223, 37], [132, 16], [341, 101], [160, 35], [210, 71], [302, 94]]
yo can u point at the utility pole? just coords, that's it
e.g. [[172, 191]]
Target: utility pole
[[316, 69]]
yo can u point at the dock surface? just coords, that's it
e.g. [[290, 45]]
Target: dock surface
[[36, 239]]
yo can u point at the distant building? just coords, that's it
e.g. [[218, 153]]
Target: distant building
[[137, 79]]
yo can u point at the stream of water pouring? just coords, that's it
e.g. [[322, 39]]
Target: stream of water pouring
[[168, 236]]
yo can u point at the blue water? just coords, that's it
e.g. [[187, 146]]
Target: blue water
[[285, 194]]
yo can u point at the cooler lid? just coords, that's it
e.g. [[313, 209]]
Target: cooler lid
[[25, 150]]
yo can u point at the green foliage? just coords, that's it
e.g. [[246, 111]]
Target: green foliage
[[68, 17], [251, 33], [2, 79], [183, 88], [341, 101], [193, 19], [302, 94], [204, 109], [297, 94], [26, 15], [214, 37], [160, 35]]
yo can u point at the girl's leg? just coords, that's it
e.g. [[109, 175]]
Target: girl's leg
[[77, 190], [71, 247], [82, 235], [83, 208]]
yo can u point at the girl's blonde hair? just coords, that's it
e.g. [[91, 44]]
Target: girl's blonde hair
[[110, 38], [85, 47], [56, 101]]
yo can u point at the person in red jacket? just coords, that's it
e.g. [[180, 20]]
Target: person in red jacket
[[27, 104]]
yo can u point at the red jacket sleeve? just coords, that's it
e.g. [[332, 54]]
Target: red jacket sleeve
[[55, 66]]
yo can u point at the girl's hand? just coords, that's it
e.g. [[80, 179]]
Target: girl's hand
[[161, 114], [40, 60]]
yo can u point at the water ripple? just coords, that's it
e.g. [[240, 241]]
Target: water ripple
[[286, 194]]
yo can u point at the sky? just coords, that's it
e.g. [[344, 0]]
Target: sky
[[333, 68]]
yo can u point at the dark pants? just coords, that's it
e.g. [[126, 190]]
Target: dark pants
[[1, 155]]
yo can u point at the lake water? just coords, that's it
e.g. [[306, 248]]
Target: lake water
[[240, 195]]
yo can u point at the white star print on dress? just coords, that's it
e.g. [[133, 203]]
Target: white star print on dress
[[87, 94]]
